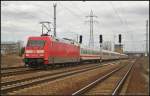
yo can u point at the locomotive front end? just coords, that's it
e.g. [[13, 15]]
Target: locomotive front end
[[35, 52]]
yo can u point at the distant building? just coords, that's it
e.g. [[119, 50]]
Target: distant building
[[107, 45], [11, 47], [118, 48], [135, 53]]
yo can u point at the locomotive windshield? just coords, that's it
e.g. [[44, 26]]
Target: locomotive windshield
[[32, 43]]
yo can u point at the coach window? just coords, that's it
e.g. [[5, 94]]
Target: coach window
[[84, 51], [89, 51], [81, 51]]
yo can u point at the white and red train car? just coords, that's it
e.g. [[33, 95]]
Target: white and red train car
[[88, 54], [46, 50]]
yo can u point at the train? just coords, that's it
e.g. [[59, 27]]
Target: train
[[47, 50]]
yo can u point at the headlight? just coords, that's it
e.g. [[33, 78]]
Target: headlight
[[29, 51], [40, 51], [27, 54]]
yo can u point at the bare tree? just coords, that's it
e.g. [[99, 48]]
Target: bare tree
[[107, 45]]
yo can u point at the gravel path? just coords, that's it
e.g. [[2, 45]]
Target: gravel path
[[138, 84]]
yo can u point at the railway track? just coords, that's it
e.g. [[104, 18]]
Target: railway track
[[7, 68], [10, 71], [16, 71], [46, 73], [109, 84], [7, 87]]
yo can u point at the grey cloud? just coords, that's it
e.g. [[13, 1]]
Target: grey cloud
[[138, 10], [21, 15], [25, 22]]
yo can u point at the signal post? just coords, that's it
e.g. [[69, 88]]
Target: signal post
[[100, 41], [120, 46]]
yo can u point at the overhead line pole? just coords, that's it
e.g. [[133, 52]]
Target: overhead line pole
[[91, 40], [55, 19], [146, 50]]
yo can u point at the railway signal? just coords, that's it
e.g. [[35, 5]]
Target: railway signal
[[119, 45], [80, 39], [100, 39], [119, 38]]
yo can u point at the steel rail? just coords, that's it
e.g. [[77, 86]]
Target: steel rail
[[91, 85], [13, 70], [7, 68], [121, 82], [4, 74]]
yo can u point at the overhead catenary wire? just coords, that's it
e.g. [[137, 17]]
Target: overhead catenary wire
[[79, 17], [116, 12], [123, 21], [75, 14], [69, 10], [93, 21]]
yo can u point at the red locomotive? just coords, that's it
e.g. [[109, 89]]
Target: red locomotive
[[46, 50]]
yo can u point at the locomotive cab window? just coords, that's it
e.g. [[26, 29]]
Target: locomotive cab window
[[32, 43]]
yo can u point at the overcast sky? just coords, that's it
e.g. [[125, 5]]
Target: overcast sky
[[20, 19]]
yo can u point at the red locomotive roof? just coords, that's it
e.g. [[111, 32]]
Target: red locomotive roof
[[40, 38], [52, 39]]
